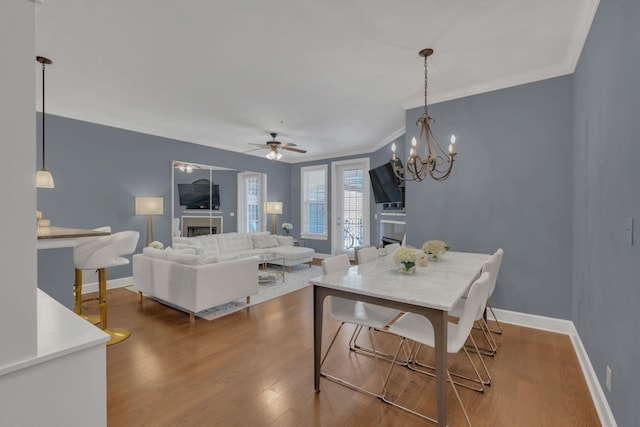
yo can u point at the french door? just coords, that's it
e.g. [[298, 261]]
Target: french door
[[350, 205]]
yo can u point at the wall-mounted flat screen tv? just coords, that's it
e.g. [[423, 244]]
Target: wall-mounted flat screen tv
[[199, 196], [385, 184]]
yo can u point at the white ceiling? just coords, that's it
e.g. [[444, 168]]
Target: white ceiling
[[333, 76]]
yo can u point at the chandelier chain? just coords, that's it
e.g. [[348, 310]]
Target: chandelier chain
[[426, 75]]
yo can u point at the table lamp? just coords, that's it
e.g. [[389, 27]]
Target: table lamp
[[273, 208], [149, 206]]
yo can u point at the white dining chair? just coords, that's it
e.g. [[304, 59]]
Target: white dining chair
[[492, 287], [356, 313], [364, 255], [391, 248], [419, 329], [492, 266]]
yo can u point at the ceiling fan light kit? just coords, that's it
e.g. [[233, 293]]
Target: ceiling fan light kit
[[436, 162], [274, 146]]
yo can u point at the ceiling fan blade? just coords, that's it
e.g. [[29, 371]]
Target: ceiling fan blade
[[290, 144], [253, 149], [297, 150]]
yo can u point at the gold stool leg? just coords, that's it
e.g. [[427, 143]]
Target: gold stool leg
[[117, 335], [77, 292], [77, 305]]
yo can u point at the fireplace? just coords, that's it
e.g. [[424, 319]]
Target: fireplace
[[392, 231], [201, 225]]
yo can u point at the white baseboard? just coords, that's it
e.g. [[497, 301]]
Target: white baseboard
[[568, 328], [597, 394], [111, 284]]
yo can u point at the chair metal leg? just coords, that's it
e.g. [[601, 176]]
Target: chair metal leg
[[484, 328], [414, 364], [499, 330], [404, 408], [340, 380], [354, 346]]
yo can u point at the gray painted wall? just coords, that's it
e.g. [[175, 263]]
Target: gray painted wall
[[98, 171], [510, 188], [607, 191]]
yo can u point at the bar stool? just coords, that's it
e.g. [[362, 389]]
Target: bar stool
[[100, 254], [77, 285]]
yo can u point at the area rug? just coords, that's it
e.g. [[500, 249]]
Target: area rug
[[297, 279]]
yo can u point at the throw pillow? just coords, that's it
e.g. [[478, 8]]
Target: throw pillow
[[262, 241], [273, 242]]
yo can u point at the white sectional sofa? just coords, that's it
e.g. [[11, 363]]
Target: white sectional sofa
[[228, 246], [193, 282]]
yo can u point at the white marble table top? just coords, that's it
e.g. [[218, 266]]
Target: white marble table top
[[439, 285]]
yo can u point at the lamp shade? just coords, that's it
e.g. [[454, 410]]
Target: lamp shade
[[44, 179], [149, 206], [274, 208]]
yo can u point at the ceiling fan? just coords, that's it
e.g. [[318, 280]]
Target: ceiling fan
[[273, 147]]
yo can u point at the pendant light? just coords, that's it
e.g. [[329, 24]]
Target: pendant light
[[44, 179]]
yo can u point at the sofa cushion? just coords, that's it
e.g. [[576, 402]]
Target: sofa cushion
[[189, 242], [231, 242], [285, 240], [263, 241], [155, 253], [292, 253], [210, 243], [189, 259]]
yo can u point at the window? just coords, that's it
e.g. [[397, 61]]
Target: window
[[251, 190], [314, 202]]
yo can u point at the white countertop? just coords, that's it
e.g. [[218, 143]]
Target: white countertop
[[60, 332], [439, 285]]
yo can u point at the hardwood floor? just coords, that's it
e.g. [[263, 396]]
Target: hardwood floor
[[255, 368]]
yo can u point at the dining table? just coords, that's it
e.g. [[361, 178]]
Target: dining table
[[431, 291]]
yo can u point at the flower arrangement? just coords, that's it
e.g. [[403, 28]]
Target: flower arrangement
[[287, 227], [435, 249], [406, 257], [156, 245]]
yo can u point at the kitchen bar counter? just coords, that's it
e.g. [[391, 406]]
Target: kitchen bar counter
[[63, 237]]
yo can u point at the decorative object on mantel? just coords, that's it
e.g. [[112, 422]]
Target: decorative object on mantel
[[149, 206], [406, 257], [44, 179], [38, 218], [156, 245], [287, 227], [273, 208], [435, 249], [436, 162]]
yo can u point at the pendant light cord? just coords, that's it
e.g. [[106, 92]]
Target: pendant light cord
[[43, 158]]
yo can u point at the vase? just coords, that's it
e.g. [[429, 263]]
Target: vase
[[434, 257], [402, 268]]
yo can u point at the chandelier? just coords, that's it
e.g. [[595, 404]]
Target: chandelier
[[436, 162]]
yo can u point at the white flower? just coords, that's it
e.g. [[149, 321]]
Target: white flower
[[156, 245], [405, 255], [287, 226], [435, 247]]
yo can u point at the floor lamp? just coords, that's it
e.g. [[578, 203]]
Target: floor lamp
[[149, 206], [273, 208]]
